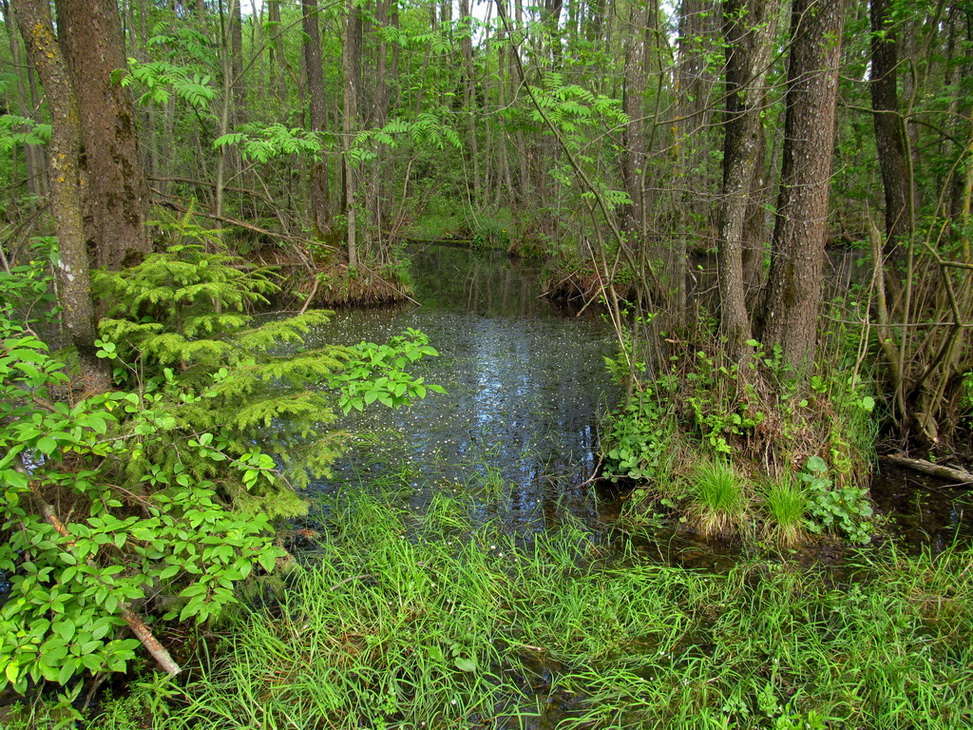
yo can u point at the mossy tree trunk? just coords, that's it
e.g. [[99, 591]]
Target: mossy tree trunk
[[749, 27], [694, 81], [633, 159], [114, 184], [72, 271], [351, 61], [319, 213], [890, 137]]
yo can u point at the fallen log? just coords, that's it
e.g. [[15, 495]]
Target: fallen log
[[949, 473]]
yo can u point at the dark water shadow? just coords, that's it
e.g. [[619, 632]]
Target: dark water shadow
[[923, 512]]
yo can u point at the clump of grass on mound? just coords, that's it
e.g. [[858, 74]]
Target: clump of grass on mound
[[440, 624], [786, 504], [719, 499], [335, 283]]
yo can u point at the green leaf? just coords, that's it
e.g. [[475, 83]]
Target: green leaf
[[817, 464], [465, 664], [65, 629], [12, 671], [267, 561], [67, 671]]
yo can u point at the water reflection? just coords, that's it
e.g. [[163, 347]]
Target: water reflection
[[525, 386], [923, 511]]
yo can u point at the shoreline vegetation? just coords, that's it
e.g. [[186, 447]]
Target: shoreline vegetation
[[395, 618], [404, 621]]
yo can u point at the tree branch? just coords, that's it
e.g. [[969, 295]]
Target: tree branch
[[134, 621]]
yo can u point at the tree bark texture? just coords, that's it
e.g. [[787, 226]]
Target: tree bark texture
[[890, 139], [278, 61], [236, 50], [749, 27], [72, 272], [756, 238], [698, 34], [797, 249], [114, 183], [633, 135], [351, 60], [469, 99]]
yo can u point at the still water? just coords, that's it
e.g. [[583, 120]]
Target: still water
[[525, 381]]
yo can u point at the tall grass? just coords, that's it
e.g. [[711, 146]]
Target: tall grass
[[431, 622]]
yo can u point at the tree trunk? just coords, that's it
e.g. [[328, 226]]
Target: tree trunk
[[755, 235], [224, 160], [72, 272], [319, 212], [236, 53], [114, 180], [352, 64], [797, 252], [890, 139], [749, 27], [694, 82], [551, 20], [633, 136], [466, 49], [278, 62]]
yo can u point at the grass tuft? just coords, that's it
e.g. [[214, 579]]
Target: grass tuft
[[786, 503], [719, 500]]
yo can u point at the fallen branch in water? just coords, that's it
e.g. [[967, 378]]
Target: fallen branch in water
[[959, 476]]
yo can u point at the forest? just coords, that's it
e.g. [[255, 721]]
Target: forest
[[762, 207]]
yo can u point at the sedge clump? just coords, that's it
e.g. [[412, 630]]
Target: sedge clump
[[719, 501], [786, 505]]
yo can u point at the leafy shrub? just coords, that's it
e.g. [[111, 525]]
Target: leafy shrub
[[722, 404], [157, 496], [73, 574], [842, 509], [638, 440]]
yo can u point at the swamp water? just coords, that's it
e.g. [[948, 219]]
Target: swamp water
[[526, 384], [466, 575]]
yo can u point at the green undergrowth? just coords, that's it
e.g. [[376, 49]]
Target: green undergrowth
[[500, 229], [793, 449], [405, 621]]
